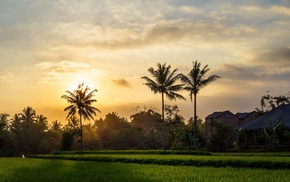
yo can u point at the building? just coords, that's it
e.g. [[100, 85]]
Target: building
[[253, 130], [281, 113], [225, 117], [246, 116]]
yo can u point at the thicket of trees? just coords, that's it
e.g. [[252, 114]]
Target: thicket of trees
[[29, 133]]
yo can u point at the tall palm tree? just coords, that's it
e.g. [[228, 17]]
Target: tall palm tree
[[81, 100], [194, 82], [163, 82]]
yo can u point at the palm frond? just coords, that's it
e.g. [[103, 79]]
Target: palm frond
[[172, 78], [71, 112], [149, 80], [175, 88], [173, 96]]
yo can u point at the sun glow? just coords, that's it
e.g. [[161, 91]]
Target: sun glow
[[79, 79]]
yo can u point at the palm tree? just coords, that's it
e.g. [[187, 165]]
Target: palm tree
[[55, 126], [16, 129], [194, 82], [3, 120], [28, 116], [164, 82], [81, 100], [41, 121]]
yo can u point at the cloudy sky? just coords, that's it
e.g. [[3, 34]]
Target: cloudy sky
[[47, 47]]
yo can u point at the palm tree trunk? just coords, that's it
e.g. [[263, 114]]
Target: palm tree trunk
[[81, 128], [163, 145], [195, 120]]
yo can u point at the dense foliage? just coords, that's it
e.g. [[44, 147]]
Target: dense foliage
[[30, 133]]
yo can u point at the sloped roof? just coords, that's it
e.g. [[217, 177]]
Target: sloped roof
[[215, 115], [281, 113], [243, 115]]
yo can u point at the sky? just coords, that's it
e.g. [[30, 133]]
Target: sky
[[48, 47]]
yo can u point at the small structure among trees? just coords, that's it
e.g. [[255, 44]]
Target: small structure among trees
[[219, 126]]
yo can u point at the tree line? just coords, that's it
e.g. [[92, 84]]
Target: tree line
[[18, 133], [29, 133]]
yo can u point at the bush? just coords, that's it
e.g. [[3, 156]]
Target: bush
[[66, 141]]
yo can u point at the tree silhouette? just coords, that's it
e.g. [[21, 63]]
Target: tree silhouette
[[28, 116], [81, 100], [163, 82], [270, 102], [16, 129], [6, 144], [194, 82], [55, 126], [3, 121]]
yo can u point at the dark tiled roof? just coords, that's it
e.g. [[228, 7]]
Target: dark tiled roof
[[215, 115], [243, 115], [281, 113]]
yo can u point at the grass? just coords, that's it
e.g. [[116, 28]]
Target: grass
[[263, 161], [18, 169], [131, 152]]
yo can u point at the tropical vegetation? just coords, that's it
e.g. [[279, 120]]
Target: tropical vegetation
[[164, 82], [81, 100], [193, 83], [29, 132]]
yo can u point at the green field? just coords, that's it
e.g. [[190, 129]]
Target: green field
[[240, 160], [85, 167]]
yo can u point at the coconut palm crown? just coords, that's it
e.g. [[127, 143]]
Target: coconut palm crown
[[163, 81]]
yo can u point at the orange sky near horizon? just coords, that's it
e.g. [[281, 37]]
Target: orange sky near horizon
[[48, 47]]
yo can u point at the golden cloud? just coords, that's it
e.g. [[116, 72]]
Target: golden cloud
[[122, 82], [60, 72]]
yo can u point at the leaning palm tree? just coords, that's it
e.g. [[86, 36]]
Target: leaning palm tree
[[81, 100], [163, 82], [194, 82]]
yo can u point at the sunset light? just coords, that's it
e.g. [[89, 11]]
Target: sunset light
[[50, 47], [145, 90], [79, 79]]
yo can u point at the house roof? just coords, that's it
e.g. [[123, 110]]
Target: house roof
[[281, 113], [243, 115], [215, 115]]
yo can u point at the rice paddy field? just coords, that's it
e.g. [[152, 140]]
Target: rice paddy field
[[147, 166]]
